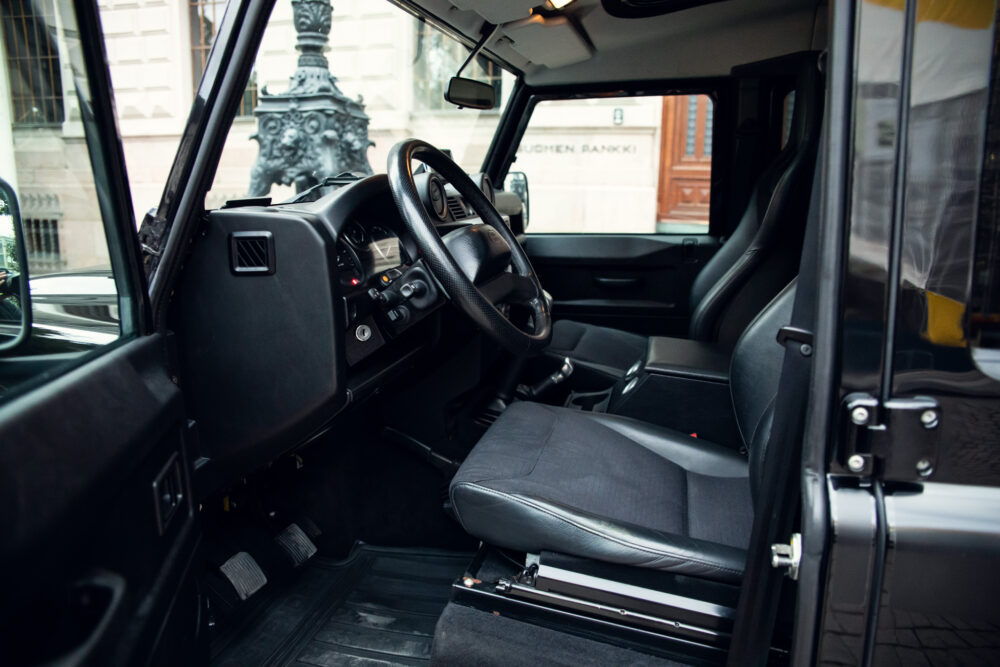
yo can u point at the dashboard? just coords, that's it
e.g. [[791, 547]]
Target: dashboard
[[385, 288], [331, 301]]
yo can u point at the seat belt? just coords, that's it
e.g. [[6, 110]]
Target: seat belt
[[775, 512]]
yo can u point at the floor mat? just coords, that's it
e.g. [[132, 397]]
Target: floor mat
[[378, 607]]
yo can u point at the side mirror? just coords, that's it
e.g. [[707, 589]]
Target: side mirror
[[517, 182], [15, 302], [470, 93]]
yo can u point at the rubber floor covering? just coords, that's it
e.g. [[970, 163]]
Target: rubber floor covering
[[378, 607]]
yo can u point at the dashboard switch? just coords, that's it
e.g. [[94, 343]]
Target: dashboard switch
[[413, 288], [398, 315]]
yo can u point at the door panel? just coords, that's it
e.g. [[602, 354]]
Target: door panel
[[97, 558], [96, 510], [638, 283]]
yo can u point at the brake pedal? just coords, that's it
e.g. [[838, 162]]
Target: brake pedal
[[244, 574], [296, 544]]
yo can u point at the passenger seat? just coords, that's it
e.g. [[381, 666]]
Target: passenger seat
[[751, 267]]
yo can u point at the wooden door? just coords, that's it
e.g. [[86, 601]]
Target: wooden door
[[685, 159]]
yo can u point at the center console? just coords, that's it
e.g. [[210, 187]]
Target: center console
[[680, 384]]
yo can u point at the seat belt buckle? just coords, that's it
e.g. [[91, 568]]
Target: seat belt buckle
[[798, 335]]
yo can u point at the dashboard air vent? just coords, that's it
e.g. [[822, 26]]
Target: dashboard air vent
[[251, 253], [457, 208]]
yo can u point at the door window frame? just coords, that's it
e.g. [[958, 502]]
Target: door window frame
[[107, 162], [503, 151]]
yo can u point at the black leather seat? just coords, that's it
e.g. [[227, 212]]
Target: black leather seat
[[619, 490], [756, 261]]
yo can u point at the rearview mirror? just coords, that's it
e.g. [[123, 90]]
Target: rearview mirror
[[15, 306], [470, 93]]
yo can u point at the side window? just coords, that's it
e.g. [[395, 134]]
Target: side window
[[45, 129], [636, 165]]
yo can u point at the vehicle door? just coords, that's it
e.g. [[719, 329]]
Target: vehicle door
[[97, 516]]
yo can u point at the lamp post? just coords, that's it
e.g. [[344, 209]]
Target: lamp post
[[312, 131]]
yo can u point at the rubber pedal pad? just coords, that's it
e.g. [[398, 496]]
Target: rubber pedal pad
[[296, 544], [244, 574]]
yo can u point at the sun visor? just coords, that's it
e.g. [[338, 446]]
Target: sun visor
[[497, 11], [552, 42]]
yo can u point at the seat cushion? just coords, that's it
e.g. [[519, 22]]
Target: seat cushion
[[609, 350], [608, 488]]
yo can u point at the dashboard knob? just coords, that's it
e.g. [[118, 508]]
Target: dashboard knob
[[415, 288]]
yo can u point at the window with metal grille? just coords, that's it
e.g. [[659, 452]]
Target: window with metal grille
[[205, 17], [437, 59], [42, 245], [36, 93]]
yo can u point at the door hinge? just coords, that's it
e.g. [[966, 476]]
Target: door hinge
[[788, 556], [899, 437]]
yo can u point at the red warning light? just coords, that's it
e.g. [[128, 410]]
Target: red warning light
[[355, 281]]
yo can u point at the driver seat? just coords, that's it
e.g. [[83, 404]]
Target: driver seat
[[618, 490]]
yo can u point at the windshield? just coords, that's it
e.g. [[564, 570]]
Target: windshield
[[313, 110]]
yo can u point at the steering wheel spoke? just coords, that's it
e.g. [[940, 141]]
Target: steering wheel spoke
[[509, 288]]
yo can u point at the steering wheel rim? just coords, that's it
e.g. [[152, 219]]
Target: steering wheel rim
[[520, 285]]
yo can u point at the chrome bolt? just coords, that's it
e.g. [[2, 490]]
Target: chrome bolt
[[924, 467], [856, 463], [859, 415], [929, 418]]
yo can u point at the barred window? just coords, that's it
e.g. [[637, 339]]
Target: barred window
[[41, 238], [437, 59], [205, 17], [36, 93]]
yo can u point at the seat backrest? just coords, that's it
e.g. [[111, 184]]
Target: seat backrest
[[762, 254], [754, 374]]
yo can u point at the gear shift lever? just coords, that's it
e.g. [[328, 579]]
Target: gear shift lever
[[547, 383]]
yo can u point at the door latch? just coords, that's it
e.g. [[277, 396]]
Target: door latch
[[788, 556]]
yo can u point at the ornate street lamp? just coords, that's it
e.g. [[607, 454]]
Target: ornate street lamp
[[312, 131]]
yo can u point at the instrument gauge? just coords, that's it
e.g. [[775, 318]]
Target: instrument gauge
[[349, 268], [355, 234], [484, 183], [438, 199], [378, 233]]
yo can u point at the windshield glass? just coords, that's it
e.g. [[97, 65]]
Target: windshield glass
[[333, 91]]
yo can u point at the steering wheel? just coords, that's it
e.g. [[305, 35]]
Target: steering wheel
[[481, 267]]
